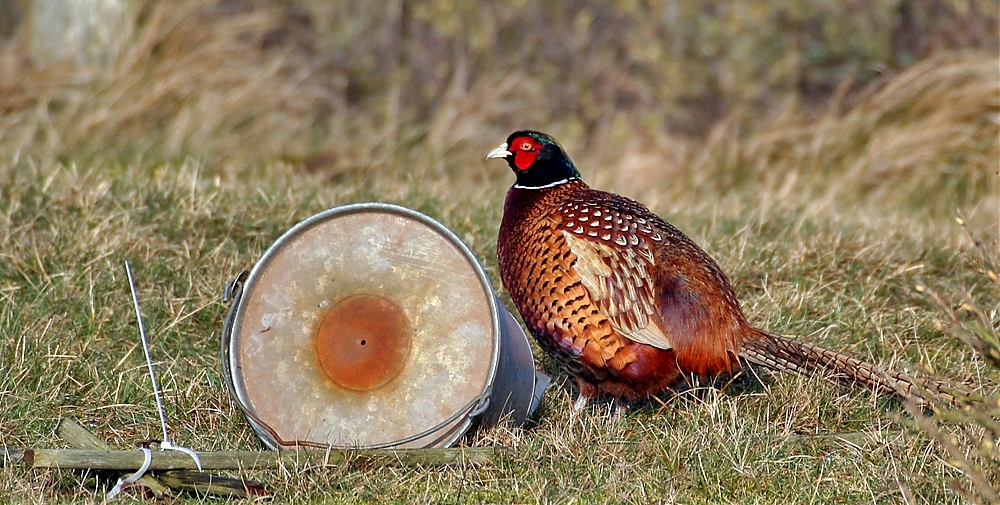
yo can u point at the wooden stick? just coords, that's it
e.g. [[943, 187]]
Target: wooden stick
[[10, 456], [79, 437], [245, 460], [206, 483], [182, 480]]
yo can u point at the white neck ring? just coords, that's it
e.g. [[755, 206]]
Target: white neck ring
[[549, 185]]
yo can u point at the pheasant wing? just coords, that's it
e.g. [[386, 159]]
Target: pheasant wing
[[616, 265]]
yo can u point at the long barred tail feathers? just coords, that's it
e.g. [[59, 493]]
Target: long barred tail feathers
[[782, 353]]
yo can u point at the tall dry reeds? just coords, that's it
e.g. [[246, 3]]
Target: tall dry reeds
[[813, 98], [191, 79], [926, 135]]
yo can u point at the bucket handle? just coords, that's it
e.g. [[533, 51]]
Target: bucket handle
[[232, 294], [484, 403]]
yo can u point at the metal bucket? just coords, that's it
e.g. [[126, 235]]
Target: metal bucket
[[372, 325]]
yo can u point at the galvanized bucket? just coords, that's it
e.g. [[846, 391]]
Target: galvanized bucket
[[372, 325]]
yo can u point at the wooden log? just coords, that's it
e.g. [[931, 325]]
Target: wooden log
[[247, 460], [10, 456], [206, 483], [79, 437], [182, 480]]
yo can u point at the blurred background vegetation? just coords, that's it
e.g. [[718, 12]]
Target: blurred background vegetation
[[834, 100]]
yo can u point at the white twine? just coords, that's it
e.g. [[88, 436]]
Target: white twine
[[146, 460]]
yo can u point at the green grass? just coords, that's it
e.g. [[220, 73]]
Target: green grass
[[844, 280], [818, 152]]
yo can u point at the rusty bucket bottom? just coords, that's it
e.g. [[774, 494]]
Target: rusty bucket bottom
[[363, 342]]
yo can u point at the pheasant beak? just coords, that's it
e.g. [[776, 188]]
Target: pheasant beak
[[499, 152]]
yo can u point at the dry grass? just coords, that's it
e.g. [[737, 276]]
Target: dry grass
[[970, 436], [190, 80], [70, 347], [820, 186], [929, 132], [424, 89]]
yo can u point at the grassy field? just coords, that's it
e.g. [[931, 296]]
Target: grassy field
[[843, 279], [827, 205]]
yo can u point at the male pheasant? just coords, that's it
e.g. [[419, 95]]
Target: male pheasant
[[625, 301]]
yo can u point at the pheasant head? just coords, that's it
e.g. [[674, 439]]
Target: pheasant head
[[537, 160]]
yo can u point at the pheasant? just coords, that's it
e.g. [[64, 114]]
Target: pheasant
[[626, 302]]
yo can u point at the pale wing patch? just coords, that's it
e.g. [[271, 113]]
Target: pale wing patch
[[618, 280]]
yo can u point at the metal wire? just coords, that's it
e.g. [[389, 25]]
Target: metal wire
[[145, 349]]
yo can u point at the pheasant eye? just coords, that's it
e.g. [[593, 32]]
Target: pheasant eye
[[526, 146]]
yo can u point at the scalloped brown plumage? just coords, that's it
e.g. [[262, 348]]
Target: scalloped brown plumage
[[629, 304]]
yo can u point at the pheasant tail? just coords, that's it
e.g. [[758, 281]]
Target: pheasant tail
[[785, 354]]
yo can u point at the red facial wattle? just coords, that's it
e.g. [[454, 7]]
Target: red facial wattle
[[525, 151], [524, 159]]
